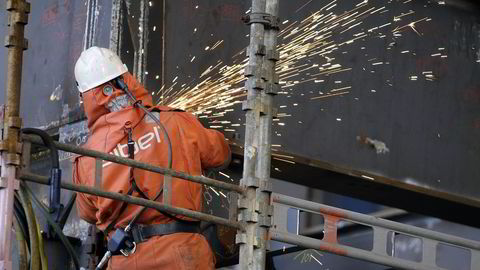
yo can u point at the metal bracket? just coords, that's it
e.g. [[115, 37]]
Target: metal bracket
[[273, 55], [248, 105], [254, 104], [18, 147], [240, 238], [271, 76], [265, 209], [18, 6], [265, 185], [269, 21], [13, 122], [257, 243], [13, 159], [254, 71], [265, 221], [259, 49], [17, 17], [242, 203], [248, 216], [256, 83], [251, 182], [14, 41], [4, 183], [3, 145], [272, 88]]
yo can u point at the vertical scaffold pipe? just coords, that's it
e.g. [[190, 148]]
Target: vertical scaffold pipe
[[10, 145], [247, 203], [265, 209]]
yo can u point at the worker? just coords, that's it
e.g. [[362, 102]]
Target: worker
[[115, 122]]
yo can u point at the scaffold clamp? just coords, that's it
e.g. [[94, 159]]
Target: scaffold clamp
[[269, 21]]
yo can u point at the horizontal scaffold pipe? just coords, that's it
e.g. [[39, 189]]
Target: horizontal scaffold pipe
[[30, 177], [374, 221], [137, 164]]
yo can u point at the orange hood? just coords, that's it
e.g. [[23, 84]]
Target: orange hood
[[96, 103], [108, 114]]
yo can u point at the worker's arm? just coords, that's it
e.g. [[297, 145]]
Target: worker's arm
[[86, 210], [213, 148]]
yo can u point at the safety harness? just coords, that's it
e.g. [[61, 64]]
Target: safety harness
[[123, 241]]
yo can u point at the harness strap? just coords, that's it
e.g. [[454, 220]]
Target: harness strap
[[131, 155], [134, 187], [142, 233], [112, 224]]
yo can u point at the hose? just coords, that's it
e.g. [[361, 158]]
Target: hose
[[21, 245], [123, 86], [58, 231], [32, 231], [41, 250], [21, 218], [66, 211]]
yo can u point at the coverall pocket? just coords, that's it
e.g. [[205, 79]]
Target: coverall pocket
[[186, 258]]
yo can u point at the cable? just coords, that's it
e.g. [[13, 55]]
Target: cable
[[66, 211], [56, 228], [21, 218], [32, 231], [123, 86], [21, 246], [41, 250]]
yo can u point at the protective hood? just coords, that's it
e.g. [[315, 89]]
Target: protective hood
[[109, 111], [101, 100]]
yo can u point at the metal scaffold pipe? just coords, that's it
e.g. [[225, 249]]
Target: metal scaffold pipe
[[249, 240], [265, 210], [373, 221], [25, 176], [138, 164], [10, 145]]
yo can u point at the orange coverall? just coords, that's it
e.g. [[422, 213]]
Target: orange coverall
[[195, 148]]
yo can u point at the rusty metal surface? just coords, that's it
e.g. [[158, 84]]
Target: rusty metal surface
[[382, 190], [10, 159], [56, 38], [395, 122]]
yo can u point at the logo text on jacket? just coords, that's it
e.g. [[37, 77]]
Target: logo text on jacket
[[144, 142]]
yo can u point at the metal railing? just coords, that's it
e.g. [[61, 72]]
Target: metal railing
[[136, 164], [26, 176], [381, 228]]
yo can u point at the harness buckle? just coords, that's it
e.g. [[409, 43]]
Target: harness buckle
[[128, 252]]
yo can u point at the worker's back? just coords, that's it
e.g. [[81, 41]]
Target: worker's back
[[194, 148]]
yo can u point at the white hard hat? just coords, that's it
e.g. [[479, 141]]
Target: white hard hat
[[96, 66]]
